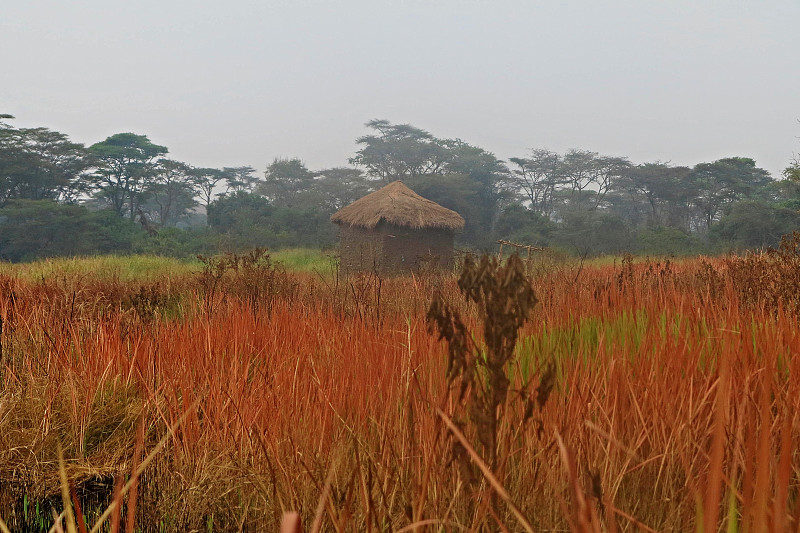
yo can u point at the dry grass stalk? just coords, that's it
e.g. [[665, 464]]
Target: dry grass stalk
[[115, 507], [290, 523], [486, 471]]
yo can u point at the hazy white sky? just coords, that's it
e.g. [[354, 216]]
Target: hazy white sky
[[242, 82]]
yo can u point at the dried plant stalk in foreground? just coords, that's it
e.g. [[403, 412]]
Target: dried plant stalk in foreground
[[504, 298]]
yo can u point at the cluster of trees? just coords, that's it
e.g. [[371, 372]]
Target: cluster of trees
[[581, 201], [587, 201], [125, 173], [124, 194]]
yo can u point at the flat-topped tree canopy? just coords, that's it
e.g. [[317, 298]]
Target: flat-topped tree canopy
[[398, 205]]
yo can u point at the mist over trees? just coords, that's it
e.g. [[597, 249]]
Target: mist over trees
[[125, 195]]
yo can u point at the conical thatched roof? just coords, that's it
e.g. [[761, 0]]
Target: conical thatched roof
[[398, 205]]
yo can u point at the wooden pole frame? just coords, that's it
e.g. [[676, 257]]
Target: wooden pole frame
[[528, 247]]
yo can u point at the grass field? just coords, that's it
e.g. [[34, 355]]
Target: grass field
[[145, 267], [642, 395]]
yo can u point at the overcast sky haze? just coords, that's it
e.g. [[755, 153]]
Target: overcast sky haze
[[243, 82]]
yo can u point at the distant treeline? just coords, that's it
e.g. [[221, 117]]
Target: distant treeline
[[124, 195]]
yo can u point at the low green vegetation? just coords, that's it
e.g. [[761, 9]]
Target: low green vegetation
[[124, 268], [151, 267], [306, 260]]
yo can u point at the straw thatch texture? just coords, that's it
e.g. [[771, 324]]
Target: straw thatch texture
[[399, 206], [395, 230]]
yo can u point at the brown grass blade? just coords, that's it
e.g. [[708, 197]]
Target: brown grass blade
[[316, 525], [714, 487], [158, 447], [78, 512], [116, 515], [584, 515], [290, 523], [57, 518], [429, 522], [485, 470], [762, 463], [69, 517], [134, 492], [784, 475]]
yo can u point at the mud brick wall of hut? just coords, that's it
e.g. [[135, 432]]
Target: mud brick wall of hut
[[393, 249]]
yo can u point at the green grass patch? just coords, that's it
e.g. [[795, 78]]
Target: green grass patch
[[150, 267], [304, 259], [632, 332], [124, 268]]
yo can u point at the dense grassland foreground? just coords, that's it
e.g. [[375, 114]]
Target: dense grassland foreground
[[641, 395]]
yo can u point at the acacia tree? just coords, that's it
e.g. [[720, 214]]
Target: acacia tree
[[240, 179], [123, 166], [538, 178], [170, 191], [206, 181], [719, 184], [340, 186], [400, 151], [61, 166], [588, 177], [789, 186], [288, 183], [451, 172], [660, 193], [551, 183], [792, 172], [40, 164], [490, 178]]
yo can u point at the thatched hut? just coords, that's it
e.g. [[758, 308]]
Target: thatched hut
[[395, 230]]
